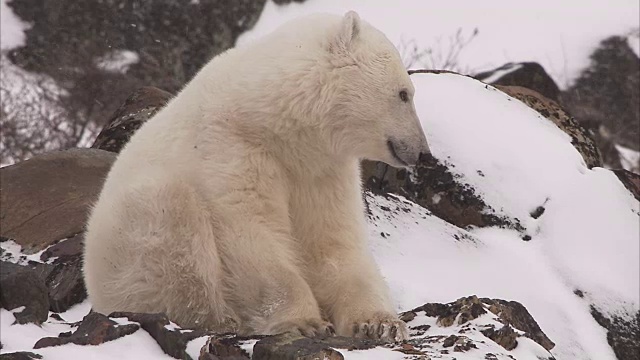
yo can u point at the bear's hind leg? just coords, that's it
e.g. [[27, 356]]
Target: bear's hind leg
[[158, 255]]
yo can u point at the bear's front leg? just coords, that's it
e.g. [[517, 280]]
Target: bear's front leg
[[350, 289], [329, 221], [264, 283]]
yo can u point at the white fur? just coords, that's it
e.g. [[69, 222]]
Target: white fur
[[238, 206]]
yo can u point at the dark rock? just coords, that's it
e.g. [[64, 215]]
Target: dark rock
[[449, 341], [463, 310], [94, 329], [64, 250], [607, 92], [20, 286], [172, 341], [505, 336], [530, 75], [295, 347], [40, 270], [20, 355], [630, 180], [433, 186], [66, 285], [136, 110], [47, 198], [582, 138], [515, 314], [623, 334], [223, 348], [537, 212]]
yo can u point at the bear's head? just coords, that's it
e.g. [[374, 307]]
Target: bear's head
[[372, 113]]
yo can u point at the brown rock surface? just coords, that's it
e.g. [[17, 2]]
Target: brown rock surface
[[526, 74], [47, 198], [296, 347], [94, 329]]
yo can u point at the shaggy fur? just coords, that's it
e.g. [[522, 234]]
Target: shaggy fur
[[238, 206]]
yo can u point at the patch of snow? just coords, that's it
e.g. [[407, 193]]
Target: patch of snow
[[629, 158], [17, 310], [194, 346], [501, 72], [248, 345], [77, 312], [633, 39], [12, 252], [558, 35], [172, 326], [11, 28], [118, 61], [377, 353]]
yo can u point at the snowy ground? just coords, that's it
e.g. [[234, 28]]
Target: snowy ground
[[558, 35], [586, 239], [629, 158]]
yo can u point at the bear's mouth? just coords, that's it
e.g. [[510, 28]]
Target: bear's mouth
[[392, 150]]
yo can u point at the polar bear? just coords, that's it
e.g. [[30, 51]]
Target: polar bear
[[238, 206]]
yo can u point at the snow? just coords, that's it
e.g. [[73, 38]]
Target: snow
[[12, 252], [194, 346], [11, 28], [558, 35], [629, 158], [118, 61], [499, 73], [587, 238]]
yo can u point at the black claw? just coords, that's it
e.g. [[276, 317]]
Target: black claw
[[330, 330], [372, 331]]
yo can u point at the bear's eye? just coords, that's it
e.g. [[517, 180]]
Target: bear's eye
[[404, 96]]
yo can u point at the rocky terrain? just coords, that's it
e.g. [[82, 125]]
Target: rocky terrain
[[471, 223]]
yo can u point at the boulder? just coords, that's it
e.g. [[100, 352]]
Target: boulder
[[47, 198], [530, 75], [296, 347], [623, 333], [607, 92], [21, 287], [94, 329], [511, 314], [432, 185], [59, 269], [20, 355], [630, 180], [224, 347], [135, 111]]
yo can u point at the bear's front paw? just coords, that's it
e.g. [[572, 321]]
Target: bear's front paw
[[306, 327], [381, 326]]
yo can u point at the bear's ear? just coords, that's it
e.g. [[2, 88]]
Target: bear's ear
[[347, 34]]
